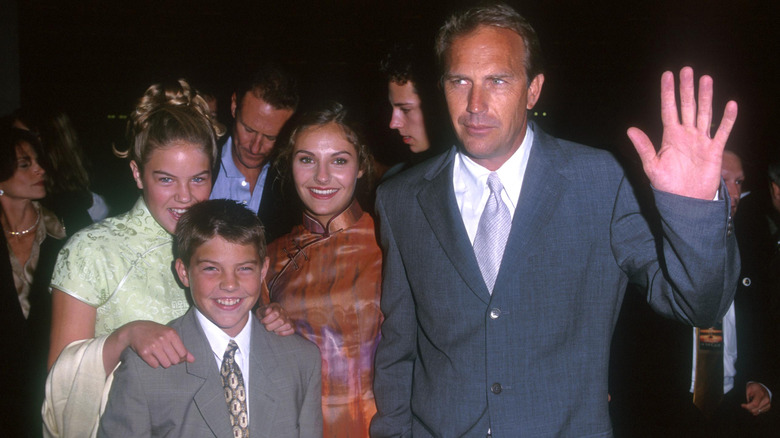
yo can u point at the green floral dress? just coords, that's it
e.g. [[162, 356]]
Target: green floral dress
[[122, 266]]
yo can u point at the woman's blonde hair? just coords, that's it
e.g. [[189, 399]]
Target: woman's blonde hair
[[169, 113]]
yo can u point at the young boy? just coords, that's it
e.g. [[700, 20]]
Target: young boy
[[245, 381]]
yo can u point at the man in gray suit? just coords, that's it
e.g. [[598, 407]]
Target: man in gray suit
[[520, 346], [261, 385]]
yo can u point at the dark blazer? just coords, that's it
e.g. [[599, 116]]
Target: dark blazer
[[652, 359], [25, 342], [532, 358], [188, 399], [279, 207]]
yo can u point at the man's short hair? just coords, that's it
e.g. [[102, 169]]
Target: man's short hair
[[218, 217], [407, 63], [496, 15], [272, 83]]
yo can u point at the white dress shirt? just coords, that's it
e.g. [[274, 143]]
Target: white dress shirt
[[729, 351], [469, 180], [218, 340]]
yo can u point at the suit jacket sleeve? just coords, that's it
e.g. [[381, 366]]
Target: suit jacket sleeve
[[397, 349], [127, 411], [310, 420], [688, 260]]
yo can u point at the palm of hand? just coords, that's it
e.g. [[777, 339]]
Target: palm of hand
[[689, 160]]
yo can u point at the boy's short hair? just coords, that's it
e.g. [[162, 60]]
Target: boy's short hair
[[218, 217]]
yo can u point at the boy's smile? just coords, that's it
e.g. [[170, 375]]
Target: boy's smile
[[225, 280]]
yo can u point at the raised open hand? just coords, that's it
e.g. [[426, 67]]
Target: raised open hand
[[689, 160]]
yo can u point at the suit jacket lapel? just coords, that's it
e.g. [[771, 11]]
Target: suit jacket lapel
[[262, 405], [539, 197], [438, 204], [543, 185], [210, 398]]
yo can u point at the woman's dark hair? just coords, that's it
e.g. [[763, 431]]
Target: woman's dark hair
[[10, 140], [329, 112], [63, 155]]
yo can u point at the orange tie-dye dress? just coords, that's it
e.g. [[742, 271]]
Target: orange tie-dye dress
[[328, 279]]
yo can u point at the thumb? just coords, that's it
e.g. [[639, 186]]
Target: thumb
[[642, 144]]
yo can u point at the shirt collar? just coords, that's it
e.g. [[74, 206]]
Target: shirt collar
[[511, 173], [227, 163], [341, 221], [141, 209], [51, 224], [218, 339]]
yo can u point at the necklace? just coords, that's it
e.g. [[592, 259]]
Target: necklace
[[23, 232]]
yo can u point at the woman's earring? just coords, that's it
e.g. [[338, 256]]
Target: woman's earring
[[2, 192]]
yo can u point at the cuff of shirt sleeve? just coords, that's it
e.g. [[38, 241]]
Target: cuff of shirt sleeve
[[764, 386]]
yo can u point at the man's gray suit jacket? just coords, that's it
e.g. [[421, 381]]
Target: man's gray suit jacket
[[532, 358], [188, 400]]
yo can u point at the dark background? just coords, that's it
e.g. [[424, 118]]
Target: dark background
[[604, 60]]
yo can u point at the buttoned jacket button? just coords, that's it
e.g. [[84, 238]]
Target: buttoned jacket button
[[496, 388], [746, 281], [495, 313]]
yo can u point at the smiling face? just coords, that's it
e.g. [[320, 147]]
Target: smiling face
[[173, 179], [407, 116], [325, 168], [255, 131], [27, 182], [488, 93], [225, 280]]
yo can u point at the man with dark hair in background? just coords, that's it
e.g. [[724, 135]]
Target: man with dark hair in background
[[419, 113]]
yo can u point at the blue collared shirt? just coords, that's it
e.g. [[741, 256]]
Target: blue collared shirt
[[231, 183]]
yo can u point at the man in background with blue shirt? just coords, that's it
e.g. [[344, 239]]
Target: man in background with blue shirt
[[260, 107]]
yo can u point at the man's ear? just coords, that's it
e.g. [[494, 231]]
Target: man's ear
[[775, 190], [139, 182], [181, 271], [233, 105], [534, 91]]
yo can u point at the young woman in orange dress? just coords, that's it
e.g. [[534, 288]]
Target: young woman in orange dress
[[326, 273]]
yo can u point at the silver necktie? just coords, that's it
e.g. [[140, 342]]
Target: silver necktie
[[492, 233]]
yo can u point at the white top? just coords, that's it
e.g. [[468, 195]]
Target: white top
[[729, 351], [469, 180], [218, 340]]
